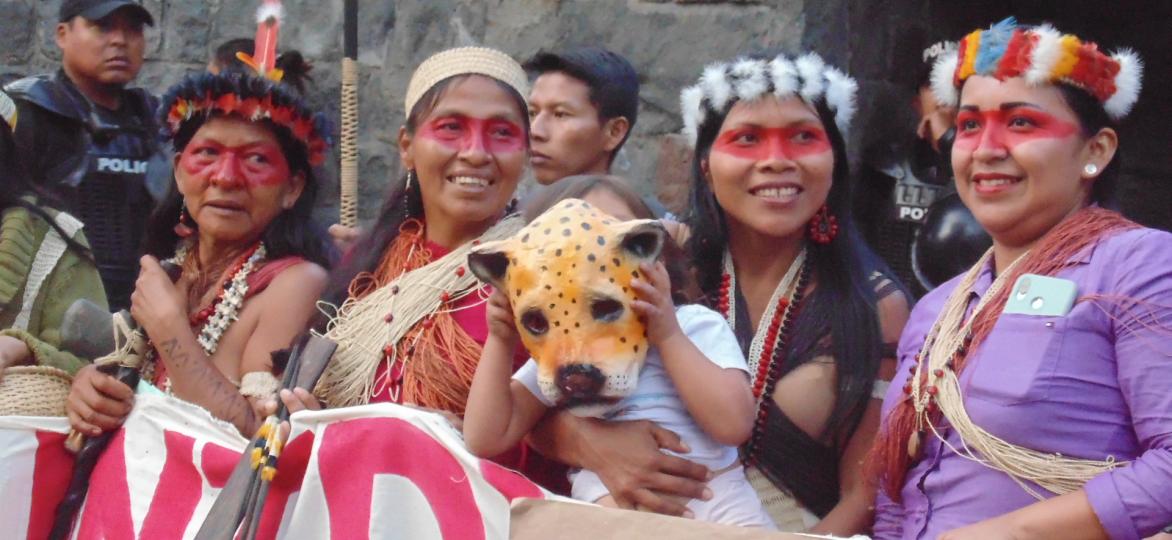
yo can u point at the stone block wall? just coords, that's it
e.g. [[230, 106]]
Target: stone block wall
[[668, 41]]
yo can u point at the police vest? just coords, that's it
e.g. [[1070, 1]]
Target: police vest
[[105, 185]]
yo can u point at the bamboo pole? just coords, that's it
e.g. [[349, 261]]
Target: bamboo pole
[[348, 142]]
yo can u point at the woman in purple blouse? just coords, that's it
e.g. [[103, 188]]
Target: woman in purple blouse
[[1013, 415]]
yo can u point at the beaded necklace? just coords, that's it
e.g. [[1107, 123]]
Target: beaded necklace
[[770, 337], [215, 318], [451, 287]]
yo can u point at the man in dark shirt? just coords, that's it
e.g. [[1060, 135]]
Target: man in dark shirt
[[582, 108], [87, 139]]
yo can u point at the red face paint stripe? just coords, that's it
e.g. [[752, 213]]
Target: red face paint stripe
[[256, 164], [492, 135], [1008, 128], [763, 143]]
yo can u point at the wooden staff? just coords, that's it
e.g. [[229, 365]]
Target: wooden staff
[[348, 142]]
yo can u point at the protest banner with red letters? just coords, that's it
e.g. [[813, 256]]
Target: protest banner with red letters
[[378, 471]]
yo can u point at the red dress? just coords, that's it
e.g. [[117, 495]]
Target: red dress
[[470, 313]]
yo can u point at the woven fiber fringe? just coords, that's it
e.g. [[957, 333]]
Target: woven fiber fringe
[[361, 331]]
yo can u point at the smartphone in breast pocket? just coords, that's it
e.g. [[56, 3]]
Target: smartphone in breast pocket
[[1042, 296]]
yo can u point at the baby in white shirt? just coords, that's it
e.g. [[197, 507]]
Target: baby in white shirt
[[693, 379]]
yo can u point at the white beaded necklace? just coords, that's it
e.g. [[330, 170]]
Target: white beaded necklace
[[227, 308], [784, 287]]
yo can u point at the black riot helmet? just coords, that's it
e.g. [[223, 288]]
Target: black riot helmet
[[949, 242]]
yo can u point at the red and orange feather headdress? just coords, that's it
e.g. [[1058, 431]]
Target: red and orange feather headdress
[[1040, 55], [255, 98]]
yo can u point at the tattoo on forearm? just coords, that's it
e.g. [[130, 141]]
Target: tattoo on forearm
[[224, 400], [172, 351]]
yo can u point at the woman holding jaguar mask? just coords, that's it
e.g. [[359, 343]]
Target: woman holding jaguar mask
[[410, 321], [775, 252]]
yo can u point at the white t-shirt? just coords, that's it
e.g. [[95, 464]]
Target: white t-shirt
[[655, 397]]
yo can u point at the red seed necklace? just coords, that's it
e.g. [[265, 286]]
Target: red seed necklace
[[772, 335]]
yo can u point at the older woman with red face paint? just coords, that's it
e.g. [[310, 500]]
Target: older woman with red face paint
[[237, 222], [410, 318], [1035, 395]]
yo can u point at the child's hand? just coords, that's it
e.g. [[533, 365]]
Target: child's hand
[[654, 304], [500, 318]]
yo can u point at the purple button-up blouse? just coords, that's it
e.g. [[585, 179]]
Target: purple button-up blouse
[[1095, 383]]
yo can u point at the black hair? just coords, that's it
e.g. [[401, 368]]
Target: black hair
[[292, 233], [225, 55], [296, 69], [1092, 117], [14, 183], [579, 186], [292, 62], [612, 80], [400, 204], [840, 316]]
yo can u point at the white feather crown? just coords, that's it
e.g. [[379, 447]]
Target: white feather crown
[[746, 79]]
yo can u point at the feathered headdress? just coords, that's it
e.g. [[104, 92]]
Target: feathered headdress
[[746, 79], [1041, 55], [253, 98], [268, 28]]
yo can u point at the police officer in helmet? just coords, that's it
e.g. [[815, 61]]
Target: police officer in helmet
[[908, 208], [88, 138]]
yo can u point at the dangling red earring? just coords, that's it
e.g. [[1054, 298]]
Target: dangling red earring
[[183, 229], [823, 226]]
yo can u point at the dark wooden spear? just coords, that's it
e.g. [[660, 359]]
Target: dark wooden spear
[[245, 492], [257, 489], [90, 449]]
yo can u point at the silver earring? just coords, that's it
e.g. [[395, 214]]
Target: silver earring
[[1091, 169], [407, 195]]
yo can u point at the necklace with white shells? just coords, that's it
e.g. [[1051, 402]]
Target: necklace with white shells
[[214, 319]]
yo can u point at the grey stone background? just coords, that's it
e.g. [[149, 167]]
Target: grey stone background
[[668, 41]]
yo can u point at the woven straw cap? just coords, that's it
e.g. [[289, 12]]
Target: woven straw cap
[[465, 61], [34, 391]]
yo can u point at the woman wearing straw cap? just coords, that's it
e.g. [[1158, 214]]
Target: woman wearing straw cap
[[410, 318]]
